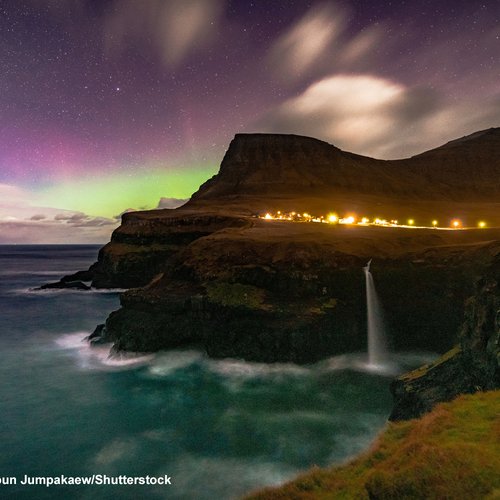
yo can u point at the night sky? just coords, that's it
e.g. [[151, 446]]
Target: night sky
[[109, 105]]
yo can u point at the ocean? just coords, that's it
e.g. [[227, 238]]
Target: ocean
[[215, 428]]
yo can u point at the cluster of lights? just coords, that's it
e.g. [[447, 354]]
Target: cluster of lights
[[333, 218]]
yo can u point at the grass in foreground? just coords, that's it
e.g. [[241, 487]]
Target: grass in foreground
[[451, 453]]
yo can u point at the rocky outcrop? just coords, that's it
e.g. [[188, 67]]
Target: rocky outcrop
[[65, 284], [236, 294], [473, 365], [240, 306]]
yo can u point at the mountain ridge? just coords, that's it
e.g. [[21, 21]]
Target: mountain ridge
[[467, 168]]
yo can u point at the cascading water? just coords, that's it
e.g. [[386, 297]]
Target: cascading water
[[377, 349]]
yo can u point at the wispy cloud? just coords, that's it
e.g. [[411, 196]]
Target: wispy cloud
[[304, 45], [174, 28]]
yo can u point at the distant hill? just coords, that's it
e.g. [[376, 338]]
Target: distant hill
[[466, 168]]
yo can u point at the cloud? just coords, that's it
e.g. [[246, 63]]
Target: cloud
[[302, 46], [359, 48], [322, 42], [38, 217], [378, 117], [170, 202], [175, 28], [79, 219], [22, 220], [71, 216]]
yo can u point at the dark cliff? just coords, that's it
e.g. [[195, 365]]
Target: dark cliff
[[275, 164]]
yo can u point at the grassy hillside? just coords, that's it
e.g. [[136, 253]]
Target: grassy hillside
[[452, 452]]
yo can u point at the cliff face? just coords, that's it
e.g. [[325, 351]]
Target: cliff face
[[472, 366], [262, 295], [276, 164]]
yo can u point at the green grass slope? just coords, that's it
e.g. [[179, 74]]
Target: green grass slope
[[451, 453]]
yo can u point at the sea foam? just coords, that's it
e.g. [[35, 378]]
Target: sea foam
[[99, 356]]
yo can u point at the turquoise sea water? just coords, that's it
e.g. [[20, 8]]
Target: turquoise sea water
[[217, 428]]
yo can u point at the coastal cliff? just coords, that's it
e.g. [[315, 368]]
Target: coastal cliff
[[243, 293], [214, 274]]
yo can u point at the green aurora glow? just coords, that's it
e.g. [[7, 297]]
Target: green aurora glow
[[110, 194]]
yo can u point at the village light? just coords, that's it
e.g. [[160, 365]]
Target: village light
[[333, 218], [348, 220]]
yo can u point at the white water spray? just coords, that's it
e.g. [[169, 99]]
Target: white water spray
[[377, 349]]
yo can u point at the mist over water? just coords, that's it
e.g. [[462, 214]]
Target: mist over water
[[219, 427]]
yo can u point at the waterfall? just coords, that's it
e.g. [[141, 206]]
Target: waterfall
[[377, 350]]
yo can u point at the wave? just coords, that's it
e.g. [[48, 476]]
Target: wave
[[245, 369], [166, 363], [399, 363], [100, 356], [50, 292]]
